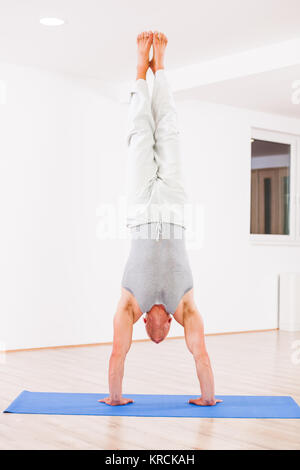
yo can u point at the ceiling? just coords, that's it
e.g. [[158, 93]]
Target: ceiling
[[98, 40], [269, 92]]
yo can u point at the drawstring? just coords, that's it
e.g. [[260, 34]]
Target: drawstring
[[158, 230]]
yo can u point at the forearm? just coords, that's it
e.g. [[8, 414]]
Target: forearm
[[206, 378], [116, 373]]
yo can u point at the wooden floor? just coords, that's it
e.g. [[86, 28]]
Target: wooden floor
[[247, 363]]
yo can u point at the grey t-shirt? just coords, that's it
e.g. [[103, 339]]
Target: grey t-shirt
[[158, 270]]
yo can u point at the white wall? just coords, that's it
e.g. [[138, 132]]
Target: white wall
[[58, 283], [236, 282], [63, 154]]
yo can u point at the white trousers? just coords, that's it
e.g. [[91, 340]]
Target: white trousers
[[155, 183]]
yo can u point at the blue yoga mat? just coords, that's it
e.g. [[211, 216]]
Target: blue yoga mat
[[175, 406]]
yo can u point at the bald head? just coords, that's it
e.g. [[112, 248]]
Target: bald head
[[157, 322]]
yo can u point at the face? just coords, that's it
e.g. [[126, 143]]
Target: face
[[157, 322]]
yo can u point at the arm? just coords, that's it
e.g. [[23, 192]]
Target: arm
[[123, 325], [194, 336]]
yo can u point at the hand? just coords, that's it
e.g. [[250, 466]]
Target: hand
[[201, 402], [121, 401]]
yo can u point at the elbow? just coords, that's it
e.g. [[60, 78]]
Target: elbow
[[202, 359], [116, 364], [118, 356]]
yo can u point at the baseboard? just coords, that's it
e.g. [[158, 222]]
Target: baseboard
[[287, 327], [109, 343]]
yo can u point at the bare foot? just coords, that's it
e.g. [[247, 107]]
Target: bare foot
[[160, 42], [144, 43], [201, 402], [122, 401]]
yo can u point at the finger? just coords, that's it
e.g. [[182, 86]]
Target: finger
[[219, 401], [102, 400]]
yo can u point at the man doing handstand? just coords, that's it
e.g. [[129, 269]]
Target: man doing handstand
[[157, 279]]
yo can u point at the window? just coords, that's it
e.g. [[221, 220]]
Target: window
[[274, 185], [270, 193]]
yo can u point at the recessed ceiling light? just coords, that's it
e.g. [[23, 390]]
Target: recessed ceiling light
[[52, 21]]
